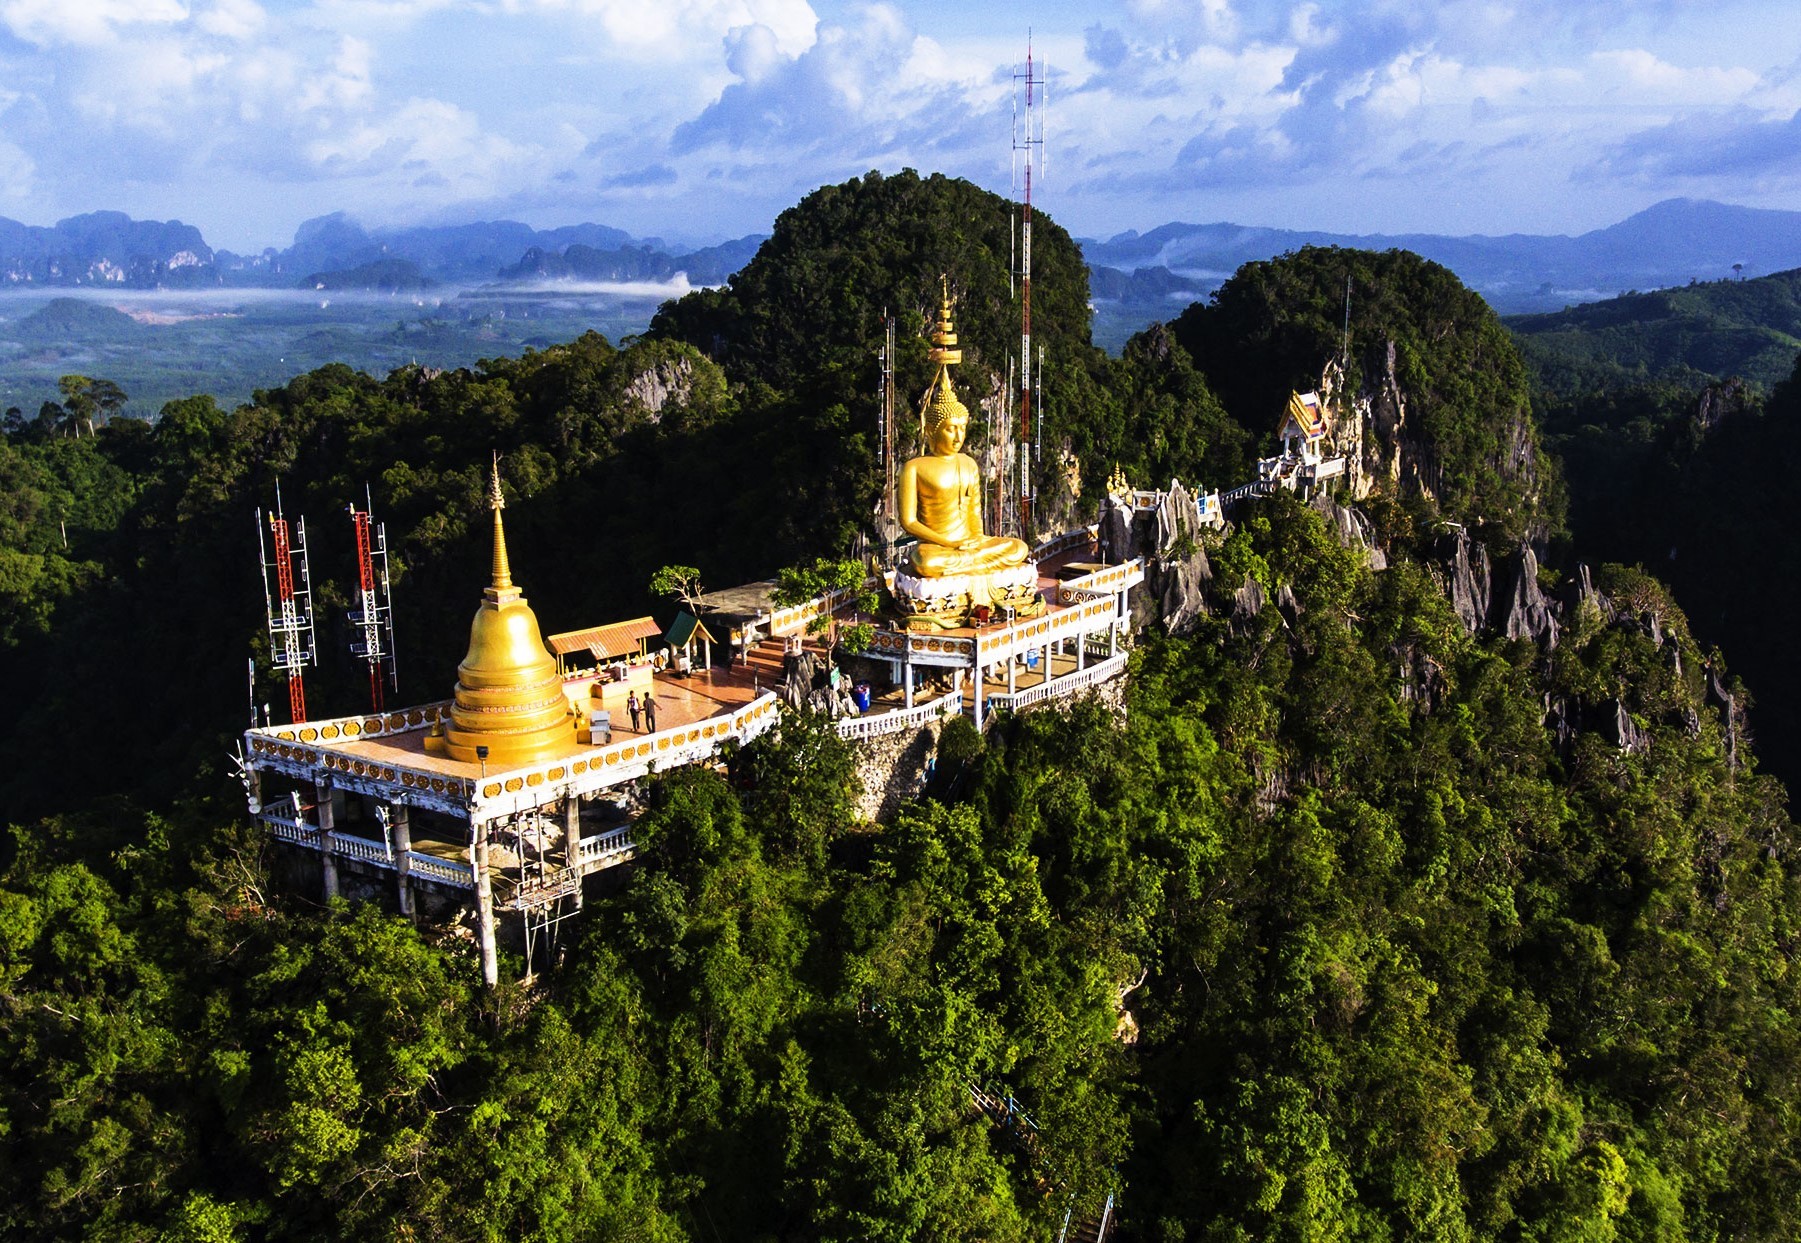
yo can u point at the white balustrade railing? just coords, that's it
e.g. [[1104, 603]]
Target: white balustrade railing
[[1068, 684], [365, 850], [443, 871], [795, 618], [361, 848], [613, 843], [875, 724], [1080, 537], [290, 830]]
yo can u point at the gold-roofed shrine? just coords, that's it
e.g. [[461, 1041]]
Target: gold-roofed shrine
[[513, 791]]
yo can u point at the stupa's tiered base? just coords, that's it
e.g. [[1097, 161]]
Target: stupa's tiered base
[[950, 602]]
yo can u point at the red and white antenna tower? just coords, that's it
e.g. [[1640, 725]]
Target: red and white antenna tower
[[288, 600], [372, 636], [1028, 152]]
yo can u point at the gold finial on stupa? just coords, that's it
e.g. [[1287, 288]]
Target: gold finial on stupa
[[503, 572], [510, 708]]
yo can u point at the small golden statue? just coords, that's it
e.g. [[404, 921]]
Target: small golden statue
[[1118, 488]]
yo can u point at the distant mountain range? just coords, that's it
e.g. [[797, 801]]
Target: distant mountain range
[[109, 249], [1672, 243], [1136, 277]]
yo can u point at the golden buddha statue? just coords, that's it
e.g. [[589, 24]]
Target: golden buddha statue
[[941, 501], [957, 572], [941, 492]]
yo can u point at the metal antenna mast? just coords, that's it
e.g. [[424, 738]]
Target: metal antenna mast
[[889, 510], [1028, 148], [373, 617], [288, 601]]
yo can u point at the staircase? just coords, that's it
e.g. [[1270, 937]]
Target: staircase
[[768, 660], [1004, 1112], [1089, 1228]]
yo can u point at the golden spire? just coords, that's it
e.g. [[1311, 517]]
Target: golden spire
[[944, 333], [940, 398], [503, 573], [510, 706]]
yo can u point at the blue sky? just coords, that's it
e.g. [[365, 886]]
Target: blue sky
[[700, 119]]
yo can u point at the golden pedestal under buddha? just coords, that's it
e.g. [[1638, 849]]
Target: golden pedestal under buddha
[[956, 567], [510, 709]]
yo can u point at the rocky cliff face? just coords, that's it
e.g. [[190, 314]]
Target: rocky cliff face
[[1177, 573], [1500, 599], [667, 380]]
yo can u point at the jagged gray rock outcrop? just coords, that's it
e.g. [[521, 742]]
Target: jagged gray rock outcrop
[[800, 673], [1524, 612], [658, 385], [1177, 589], [1116, 531], [1178, 573], [1352, 528], [1467, 578], [1627, 733], [1581, 590], [1248, 601], [1731, 710], [1564, 719], [1723, 401], [1506, 599]]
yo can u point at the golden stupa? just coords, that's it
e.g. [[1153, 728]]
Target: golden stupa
[[509, 698]]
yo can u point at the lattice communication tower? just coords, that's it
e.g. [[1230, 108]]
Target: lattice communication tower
[[1028, 157], [372, 618], [288, 601]]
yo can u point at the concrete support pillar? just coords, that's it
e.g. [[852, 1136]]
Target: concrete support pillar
[[400, 824], [484, 905], [1082, 651], [572, 839], [328, 860], [1012, 673], [1044, 656], [976, 699], [907, 679]]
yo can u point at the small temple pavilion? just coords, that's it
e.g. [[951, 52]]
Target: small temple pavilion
[[512, 792]]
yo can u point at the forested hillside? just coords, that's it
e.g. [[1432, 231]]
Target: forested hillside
[[1750, 329], [1668, 412], [1367, 922]]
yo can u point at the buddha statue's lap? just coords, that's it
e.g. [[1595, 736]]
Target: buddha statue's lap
[[993, 553]]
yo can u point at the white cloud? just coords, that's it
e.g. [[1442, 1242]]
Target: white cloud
[[687, 109], [47, 22], [423, 136], [858, 86], [1651, 79], [674, 29], [236, 20]]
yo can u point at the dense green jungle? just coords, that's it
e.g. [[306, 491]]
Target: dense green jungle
[[1361, 925]]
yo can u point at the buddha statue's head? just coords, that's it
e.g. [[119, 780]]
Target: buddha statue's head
[[947, 420]]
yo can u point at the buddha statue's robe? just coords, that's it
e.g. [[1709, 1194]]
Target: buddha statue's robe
[[940, 503]]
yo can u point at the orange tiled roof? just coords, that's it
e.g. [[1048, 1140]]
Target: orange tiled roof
[[606, 642]]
